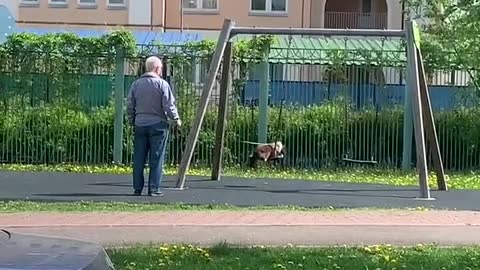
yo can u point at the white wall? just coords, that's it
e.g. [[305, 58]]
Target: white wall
[[139, 12]]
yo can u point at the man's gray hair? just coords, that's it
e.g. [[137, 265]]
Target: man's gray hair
[[152, 63]]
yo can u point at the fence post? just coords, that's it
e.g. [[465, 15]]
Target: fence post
[[263, 97], [119, 100]]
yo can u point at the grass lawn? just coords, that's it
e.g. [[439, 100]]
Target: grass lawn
[[90, 206], [456, 180], [223, 257]]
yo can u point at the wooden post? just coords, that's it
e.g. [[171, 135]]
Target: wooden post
[[414, 87], [119, 101], [203, 104], [431, 132], [222, 113]]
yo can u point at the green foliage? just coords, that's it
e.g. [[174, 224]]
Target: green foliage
[[185, 59], [56, 106], [347, 258], [65, 44], [56, 132], [61, 56], [37, 70], [254, 49], [315, 136], [451, 35], [165, 257]]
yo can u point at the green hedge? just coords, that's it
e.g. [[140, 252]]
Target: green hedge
[[55, 93], [315, 136]]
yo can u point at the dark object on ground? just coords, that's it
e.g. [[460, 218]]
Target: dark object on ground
[[22, 252]]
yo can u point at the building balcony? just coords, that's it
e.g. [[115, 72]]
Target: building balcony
[[355, 20]]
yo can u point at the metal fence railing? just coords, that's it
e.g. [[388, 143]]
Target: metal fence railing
[[355, 20], [53, 115]]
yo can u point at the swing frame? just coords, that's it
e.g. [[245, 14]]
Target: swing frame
[[416, 90]]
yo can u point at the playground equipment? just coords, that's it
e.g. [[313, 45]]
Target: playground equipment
[[24, 251], [417, 102]]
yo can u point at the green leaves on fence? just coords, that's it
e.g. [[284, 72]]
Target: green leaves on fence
[[315, 136], [69, 43], [56, 93]]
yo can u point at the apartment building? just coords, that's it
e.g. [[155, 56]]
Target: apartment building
[[205, 16]]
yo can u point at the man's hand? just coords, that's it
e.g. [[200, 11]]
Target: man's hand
[[177, 122]]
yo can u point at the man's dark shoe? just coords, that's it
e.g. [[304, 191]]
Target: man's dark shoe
[[155, 193], [137, 193]]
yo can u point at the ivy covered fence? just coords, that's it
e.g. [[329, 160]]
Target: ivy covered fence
[[57, 102]]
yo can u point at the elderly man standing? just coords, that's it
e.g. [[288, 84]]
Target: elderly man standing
[[150, 109]]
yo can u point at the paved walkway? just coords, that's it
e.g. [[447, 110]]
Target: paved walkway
[[256, 227], [249, 218]]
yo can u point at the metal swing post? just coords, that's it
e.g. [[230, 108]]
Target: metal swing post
[[222, 113], [418, 123], [192, 138], [229, 31]]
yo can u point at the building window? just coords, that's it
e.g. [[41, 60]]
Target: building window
[[367, 6], [200, 4], [269, 6], [61, 3], [87, 3], [28, 2], [116, 3]]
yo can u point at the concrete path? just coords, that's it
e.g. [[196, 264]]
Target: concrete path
[[256, 227]]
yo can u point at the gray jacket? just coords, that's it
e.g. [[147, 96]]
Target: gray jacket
[[150, 100]]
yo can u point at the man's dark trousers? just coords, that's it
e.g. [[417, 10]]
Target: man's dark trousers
[[150, 140]]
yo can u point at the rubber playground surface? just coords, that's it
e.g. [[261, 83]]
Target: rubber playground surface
[[49, 186]]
